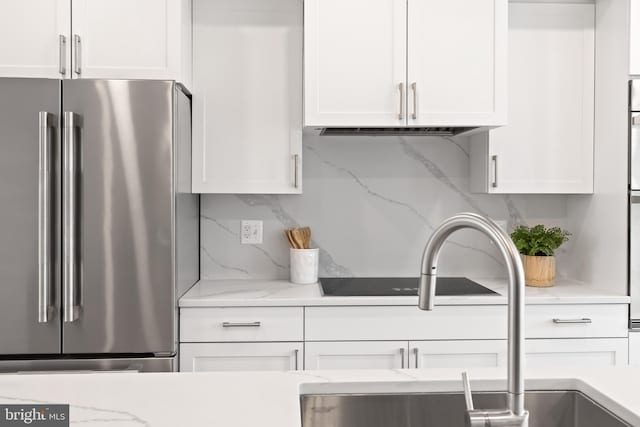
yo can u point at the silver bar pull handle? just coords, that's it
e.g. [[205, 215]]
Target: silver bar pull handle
[[295, 355], [70, 293], [241, 324], [77, 52], [568, 321], [494, 160], [296, 166], [402, 358], [401, 89], [45, 151], [414, 90], [468, 398], [62, 54], [416, 354]]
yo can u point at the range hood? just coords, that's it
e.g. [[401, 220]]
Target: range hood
[[402, 131]]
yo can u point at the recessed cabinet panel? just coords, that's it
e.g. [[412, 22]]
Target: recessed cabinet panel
[[356, 355], [355, 62], [457, 354], [121, 39], [457, 62], [211, 357], [248, 96], [547, 147], [30, 43], [576, 353]]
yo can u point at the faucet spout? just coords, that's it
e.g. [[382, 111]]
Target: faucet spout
[[515, 272]]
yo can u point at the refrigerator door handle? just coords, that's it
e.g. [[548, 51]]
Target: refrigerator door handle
[[45, 151], [70, 276]]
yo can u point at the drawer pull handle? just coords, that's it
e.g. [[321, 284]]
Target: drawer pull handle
[[563, 321], [402, 358], [241, 325]]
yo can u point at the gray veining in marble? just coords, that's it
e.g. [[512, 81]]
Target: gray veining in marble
[[371, 203]]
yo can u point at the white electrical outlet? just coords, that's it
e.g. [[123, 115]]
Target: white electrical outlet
[[251, 232]]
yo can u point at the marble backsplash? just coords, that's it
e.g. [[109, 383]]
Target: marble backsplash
[[371, 203]]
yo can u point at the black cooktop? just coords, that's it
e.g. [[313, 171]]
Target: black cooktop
[[389, 286]]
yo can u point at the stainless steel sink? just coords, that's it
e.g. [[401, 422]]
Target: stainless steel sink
[[546, 408]]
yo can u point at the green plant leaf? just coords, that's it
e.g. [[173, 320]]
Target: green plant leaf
[[539, 240]]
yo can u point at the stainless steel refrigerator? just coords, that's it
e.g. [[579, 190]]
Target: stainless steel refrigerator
[[99, 231]]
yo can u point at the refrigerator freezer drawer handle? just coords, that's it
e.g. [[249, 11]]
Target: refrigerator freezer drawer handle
[[70, 274], [46, 122]]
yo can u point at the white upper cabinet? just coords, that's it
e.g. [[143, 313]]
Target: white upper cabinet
[[457, 56], [398, 63], [548, 144], [100, 39], [355, 62], [247, 107], [34, 38], [124, 39]]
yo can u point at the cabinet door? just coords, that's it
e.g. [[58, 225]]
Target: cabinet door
[[457, 62], [355, 63], [457, 354], [591, 353], [34, 38], [207, 357], [547, 146], [124, 39], [356, 355], [247, 112]]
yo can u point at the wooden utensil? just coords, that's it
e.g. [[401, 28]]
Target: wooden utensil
[[296, 234], [299, 238], [306, 236], [292, 243]]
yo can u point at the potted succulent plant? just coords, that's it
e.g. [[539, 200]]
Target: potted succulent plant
[[537, 245]]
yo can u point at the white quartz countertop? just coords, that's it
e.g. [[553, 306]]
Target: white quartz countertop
[[245, 399], [229, 293]]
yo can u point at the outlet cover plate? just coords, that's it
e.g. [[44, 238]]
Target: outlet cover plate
[[251, 232]]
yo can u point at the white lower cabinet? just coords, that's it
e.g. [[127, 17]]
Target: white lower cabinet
[[356, 355], [208, 357], [592, 353], [400, 337], [457, 354]]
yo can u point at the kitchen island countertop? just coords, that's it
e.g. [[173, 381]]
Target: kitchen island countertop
[[247, 399]]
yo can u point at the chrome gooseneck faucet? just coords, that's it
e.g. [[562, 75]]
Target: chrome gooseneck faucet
[[515, 415]]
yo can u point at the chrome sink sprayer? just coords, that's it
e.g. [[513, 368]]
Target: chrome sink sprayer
[[515, 415]]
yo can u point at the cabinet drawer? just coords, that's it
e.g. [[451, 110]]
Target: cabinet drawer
[[241, 324], [576, 321], [405, 323]]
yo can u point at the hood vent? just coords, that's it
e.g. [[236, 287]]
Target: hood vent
[[433, 131]]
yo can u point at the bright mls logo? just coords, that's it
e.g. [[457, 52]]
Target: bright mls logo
[[34, 415]]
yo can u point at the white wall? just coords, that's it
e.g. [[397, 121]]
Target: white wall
[[599, 249]]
